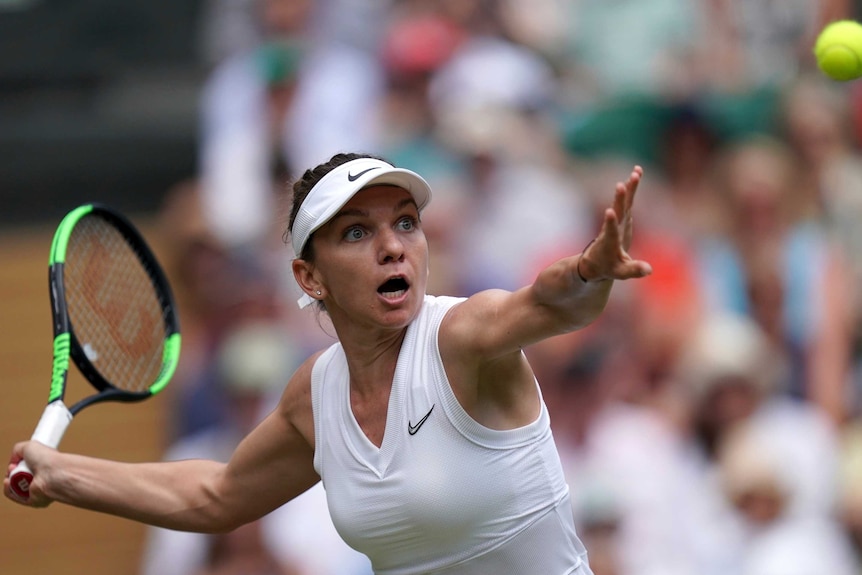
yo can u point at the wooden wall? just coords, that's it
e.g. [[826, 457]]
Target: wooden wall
[[60, 539]]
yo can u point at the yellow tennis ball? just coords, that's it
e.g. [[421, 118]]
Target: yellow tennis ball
[[838, 50]]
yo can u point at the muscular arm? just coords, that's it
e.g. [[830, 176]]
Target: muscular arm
[[272, 465], [481, 340]]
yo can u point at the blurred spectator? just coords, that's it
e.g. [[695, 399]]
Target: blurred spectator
[[775, 263], [781, 480], [309, 87], [245, 103], [818, 124], [216, 289], [686, 202], [637, 497], [503, 233], [341, 83], [757, 467], [253, 364], [735, 375], [415, 46], [492, 104]]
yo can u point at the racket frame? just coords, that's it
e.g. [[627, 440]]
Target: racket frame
[[63, 327]]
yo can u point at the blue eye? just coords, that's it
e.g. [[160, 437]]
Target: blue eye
[[406, 224], [354, 234]]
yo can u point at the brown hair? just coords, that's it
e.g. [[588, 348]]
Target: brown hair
[[302, 187]]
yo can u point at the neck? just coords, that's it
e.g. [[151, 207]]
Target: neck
[[372, 360]]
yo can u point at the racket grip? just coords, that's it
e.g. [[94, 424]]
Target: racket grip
[[52, 425]]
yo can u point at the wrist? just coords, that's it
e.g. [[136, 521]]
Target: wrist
[[585, 270], [578, 270]]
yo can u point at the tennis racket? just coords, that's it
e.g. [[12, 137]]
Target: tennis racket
[[114, 316]]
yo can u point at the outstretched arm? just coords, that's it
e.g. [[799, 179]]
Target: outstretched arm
[[271, 466], [567, 295]]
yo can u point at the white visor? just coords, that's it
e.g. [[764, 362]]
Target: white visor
[[342, 183]]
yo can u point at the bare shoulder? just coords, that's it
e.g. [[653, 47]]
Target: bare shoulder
[[295, 403], [466, 317], [471, 327]]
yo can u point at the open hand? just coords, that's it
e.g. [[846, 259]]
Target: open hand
[[607, 257]]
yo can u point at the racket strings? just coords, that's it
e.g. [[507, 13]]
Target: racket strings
[[113, 307]]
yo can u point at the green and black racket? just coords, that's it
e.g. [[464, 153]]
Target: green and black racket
[[114, 316]]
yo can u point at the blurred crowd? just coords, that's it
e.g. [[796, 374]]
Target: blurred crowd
[[710, 422]]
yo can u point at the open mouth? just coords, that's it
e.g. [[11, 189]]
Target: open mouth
[[393, 288]]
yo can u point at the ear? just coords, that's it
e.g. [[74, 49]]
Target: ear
[[308, 281]]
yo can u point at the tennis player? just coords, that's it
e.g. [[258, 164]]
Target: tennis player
[[424, 421]]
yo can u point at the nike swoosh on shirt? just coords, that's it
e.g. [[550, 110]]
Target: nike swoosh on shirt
[[412, 429], [354, 177]]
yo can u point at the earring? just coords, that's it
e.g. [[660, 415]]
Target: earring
[[318, 292]]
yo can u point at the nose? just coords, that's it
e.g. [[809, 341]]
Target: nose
[[391, 247]]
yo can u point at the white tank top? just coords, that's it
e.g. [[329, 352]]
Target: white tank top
[[443, 494]]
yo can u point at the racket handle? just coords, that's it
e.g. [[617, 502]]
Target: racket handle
[[52, 425]]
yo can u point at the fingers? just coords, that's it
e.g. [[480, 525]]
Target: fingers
[[17, 454], [630, 188], [635, 269], [38, 462], [620, 200], [14, 459], [7, 491], [610, 226], [624, 194], [609, 254]]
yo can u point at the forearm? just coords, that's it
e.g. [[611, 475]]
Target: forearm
[[181, 495], [271, 466]]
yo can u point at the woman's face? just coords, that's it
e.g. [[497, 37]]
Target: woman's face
[[371, 259]]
